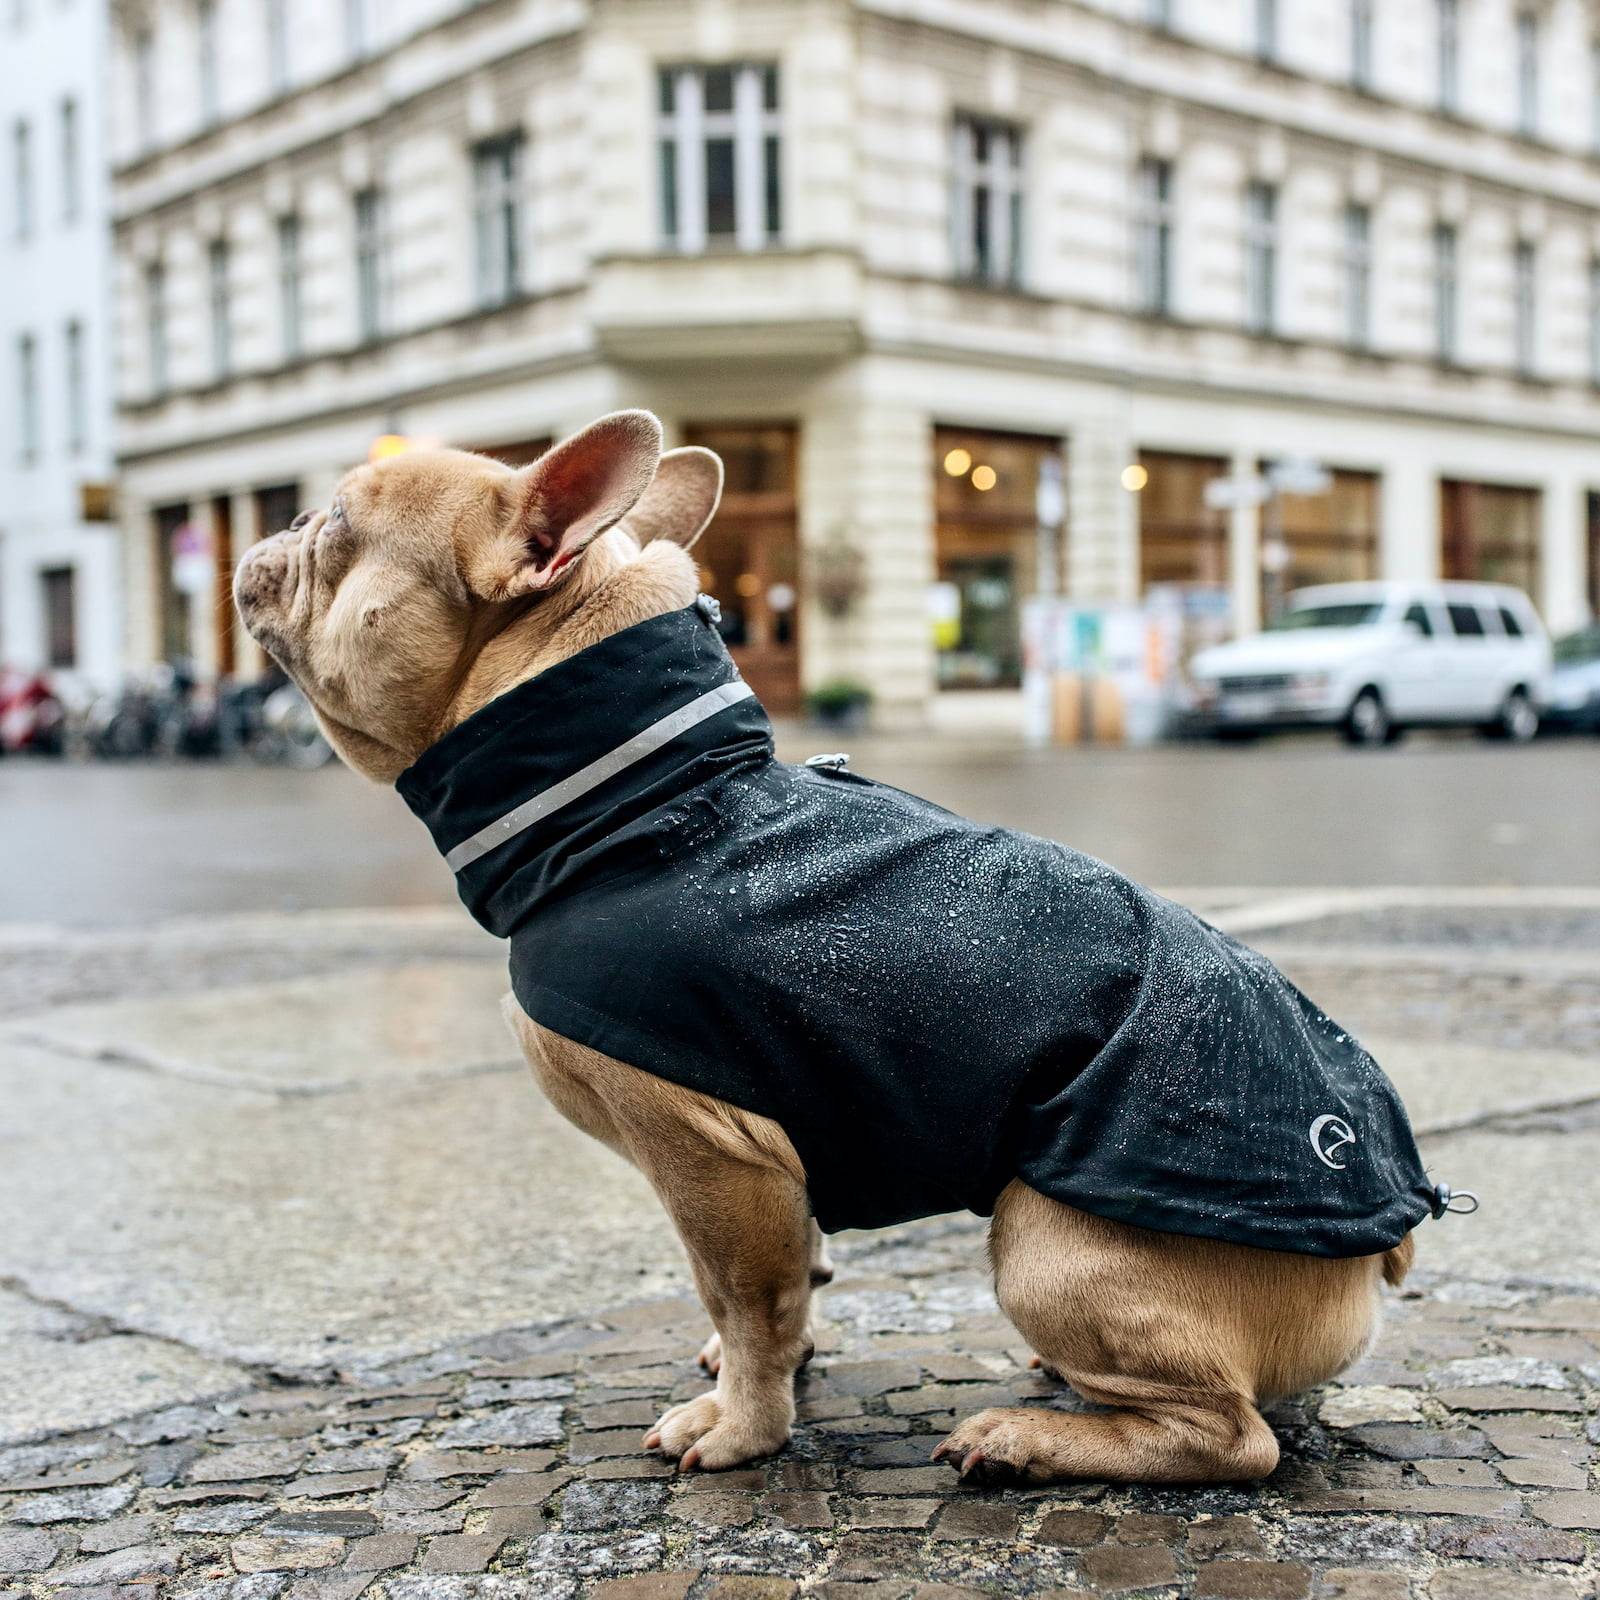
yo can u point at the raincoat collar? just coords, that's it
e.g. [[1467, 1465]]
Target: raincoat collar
[[563, 778]]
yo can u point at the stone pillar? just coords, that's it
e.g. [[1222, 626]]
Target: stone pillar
[[1408, 538], [866, 484], [1562, 601], [1102, 516], [1244, 551]]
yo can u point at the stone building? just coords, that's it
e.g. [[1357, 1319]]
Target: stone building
[[895, 259], [59, 602]]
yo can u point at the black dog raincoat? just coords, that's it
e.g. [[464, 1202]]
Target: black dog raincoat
[[928, 1006]]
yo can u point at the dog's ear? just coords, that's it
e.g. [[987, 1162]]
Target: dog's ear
[[554, 508], [682, 497]]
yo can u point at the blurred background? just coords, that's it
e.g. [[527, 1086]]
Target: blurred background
[[1049, 344]]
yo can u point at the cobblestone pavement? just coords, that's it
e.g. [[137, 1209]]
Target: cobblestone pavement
[[1454, 1462], [251, 1350]]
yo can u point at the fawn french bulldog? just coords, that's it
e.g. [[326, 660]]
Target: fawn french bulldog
[[798, 1001]]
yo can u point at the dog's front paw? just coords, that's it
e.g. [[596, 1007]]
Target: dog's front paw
[[1005, 1445], [701, 1433]]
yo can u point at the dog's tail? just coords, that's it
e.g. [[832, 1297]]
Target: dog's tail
[[1397, 1262]]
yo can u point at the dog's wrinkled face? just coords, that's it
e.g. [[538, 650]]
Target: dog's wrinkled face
[[377, 605]]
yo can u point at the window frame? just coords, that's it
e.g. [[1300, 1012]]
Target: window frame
[[77, 374], [685, 129], [29, 423], [1447, 56], [1001, 177], [291, 302], [1446, 294], [219, 298], [1357, 263], [68, 131], [22, 179], [499, 218], [1525, 308], [208, 63], [1363, 51], [58, 592], [370, 218], [157, 345], [1528, 34], [1262, 247], [1155, 232]]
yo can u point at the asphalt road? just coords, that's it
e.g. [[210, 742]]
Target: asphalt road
[[115, 845]]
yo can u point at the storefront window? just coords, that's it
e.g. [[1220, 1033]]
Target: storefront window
[[1322, 538], [750, 556], [991, 553], [1181, 539], [1490, 533]]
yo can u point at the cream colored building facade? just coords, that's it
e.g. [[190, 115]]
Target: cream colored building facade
[[842, 239]]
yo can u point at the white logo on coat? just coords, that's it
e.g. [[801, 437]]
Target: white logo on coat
[[1329, 1135]]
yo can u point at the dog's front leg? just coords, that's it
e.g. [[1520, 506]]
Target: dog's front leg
[[747, 1231]]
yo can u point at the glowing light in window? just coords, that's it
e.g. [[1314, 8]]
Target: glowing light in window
[[1134, 478], [984, 478], [957, 461]]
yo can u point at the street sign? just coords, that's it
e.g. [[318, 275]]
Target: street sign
[[1049, 500], [1299, 475], [1227, 494]]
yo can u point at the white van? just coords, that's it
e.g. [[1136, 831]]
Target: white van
[[1375, 658]]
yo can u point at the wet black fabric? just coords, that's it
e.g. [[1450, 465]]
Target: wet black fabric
[[930, 1007]]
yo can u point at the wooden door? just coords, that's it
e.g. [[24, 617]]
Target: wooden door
[[750, 557]]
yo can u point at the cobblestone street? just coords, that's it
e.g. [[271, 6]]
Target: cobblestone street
[[306, 1293]]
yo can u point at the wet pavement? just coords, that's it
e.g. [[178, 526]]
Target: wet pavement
[[103, 844], [305, 1293]]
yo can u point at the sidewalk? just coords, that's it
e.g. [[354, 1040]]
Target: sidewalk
[[305, 1293]]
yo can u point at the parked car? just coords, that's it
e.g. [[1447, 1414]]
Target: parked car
[[1373, 659], [1573, 701]]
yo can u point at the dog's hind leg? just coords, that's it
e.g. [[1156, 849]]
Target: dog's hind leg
[[1180, 1338]]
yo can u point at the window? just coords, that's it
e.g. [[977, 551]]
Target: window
[[144, 86], [1447, 41], [1489, 533], [1417, 616], [1153, 238], [289, 307], [1181, 539], [990, 554], [986, 212], [1594, 96], [497, 217], [1466, 621], [27, 399], [1158, 14], [71, 195], [206, 34], [56, 586], [221, 311], [1444, 292], [1261, 257], [155, 324], [1266, 29], [1330, 537], [1526, 290], [1361, 52], [22, 177], [356, 42], [1358, 276], [1509, 624], [278, 45], [718, 135], [77, 389], [371, 263], [1528, 74]]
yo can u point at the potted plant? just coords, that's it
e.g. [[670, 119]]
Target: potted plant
[[840, 703]]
